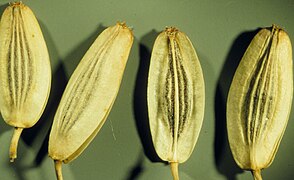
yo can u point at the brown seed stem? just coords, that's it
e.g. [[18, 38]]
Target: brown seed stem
[[14, 142], [257, 174], [58, 169], [174, 170]]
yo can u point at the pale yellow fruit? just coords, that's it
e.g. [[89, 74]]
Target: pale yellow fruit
[[259, 100], [89, 95], [176, 97], [25, 72]]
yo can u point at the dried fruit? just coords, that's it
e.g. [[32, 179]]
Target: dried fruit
[[259, 100], [25, 72], [176, 97], [89, 95]]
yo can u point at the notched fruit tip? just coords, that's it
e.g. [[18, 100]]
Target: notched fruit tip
[[171, 31], [275, 26], [124, 26], [16, 3]]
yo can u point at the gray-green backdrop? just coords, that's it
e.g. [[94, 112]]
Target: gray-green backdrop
[[220, 31]]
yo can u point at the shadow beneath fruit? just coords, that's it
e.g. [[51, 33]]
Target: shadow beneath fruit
[[4, 127], [137, 168], [19, 170], [59, 82], [223, 157], [41, 130], [140, 96], [2, 7], [36, 137], [72, 60]]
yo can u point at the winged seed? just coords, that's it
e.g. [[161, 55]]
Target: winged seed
[[89, 95], [175, 97], [260, 99], [25, 70]]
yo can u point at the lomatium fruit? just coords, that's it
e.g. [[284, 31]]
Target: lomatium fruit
[[89, 95], [176, 97], [259, 100], [25, 72]]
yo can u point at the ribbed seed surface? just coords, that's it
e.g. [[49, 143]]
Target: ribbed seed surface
[[90, 93], [260, 99], [176, 77], [25, 68], [175, 96], [261, 95], [25, 73], [19, 71]]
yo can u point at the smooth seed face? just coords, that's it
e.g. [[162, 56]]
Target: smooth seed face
[[260, 98], [90, 93], [175, 96]]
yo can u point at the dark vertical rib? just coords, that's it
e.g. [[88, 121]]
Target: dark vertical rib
[[270, 89], [258, 98], [74, 107], [27, 60], [17, 66], [10, 63], [170, 90], [183, 90], [182, 87]]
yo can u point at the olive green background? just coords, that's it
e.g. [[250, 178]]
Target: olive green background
[[220, 31]]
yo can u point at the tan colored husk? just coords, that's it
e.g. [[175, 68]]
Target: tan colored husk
[[259, 100], [25, 72], [176, 97], [89, 95]]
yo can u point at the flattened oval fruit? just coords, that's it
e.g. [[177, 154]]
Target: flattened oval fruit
[[25, 72], [176, 96], [90, 94], [260, 99]]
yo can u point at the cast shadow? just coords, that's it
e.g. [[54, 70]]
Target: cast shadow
[[43, 126], [72, 60], [223, 157], [137, 168], [2, 7], [59, 82], [4, 127], [140, 96], [37, 136]]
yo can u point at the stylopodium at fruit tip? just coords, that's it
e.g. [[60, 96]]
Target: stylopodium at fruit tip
[[124, 25], [171, 31], [16, 3], [275, 26]]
